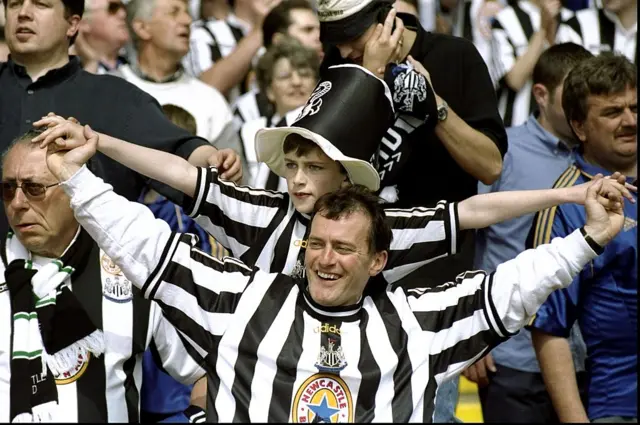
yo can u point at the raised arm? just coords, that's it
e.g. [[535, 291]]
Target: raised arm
[[483, 210], [477, 311], [233, 215], [161, 166], [197, 293]]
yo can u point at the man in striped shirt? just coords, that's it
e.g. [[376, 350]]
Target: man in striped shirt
[[612, 28], [337, 345]]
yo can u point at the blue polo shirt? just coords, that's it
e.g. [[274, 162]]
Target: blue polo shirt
[[603, 299], [534, 160]]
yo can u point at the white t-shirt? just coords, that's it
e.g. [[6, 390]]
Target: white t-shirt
[[205, 103]]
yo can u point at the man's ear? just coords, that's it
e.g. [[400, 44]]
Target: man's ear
[[75, 24], [140, 29], [578, 129], [378, 263], [541, 94]]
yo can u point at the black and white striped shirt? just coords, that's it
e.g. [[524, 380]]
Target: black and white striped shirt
[[249, 107], [268, 344], [598, 30], [512, 29], [262, 227], [105, 388], [211, 40]]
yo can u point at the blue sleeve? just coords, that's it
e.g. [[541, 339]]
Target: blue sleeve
[[558, 313]]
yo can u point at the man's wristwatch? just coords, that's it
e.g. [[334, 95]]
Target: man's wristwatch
[[443, 111]]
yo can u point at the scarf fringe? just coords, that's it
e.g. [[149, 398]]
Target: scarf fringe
[[42, 413], [67, 358]]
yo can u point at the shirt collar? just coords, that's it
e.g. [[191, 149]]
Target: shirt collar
[[551, 141], [345, 313], [171, 78], [54, 75], [589, 170]]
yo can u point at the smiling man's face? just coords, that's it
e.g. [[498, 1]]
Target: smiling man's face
[[338, 258]]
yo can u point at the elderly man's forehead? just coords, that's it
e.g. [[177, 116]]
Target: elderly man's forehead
[[26, 161]]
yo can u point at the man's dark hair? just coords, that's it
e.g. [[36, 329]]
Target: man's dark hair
[[603, 75], [554, 64], [71, 7], [352, 199], [279, 19]]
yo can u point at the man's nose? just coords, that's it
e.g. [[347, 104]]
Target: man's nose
[[19, 200], [629, 118], [26, 10], [327, 257]]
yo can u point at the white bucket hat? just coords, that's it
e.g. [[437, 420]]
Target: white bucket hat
[[347, 115]]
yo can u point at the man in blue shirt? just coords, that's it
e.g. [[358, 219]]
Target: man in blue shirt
[[511, 387], [600, 101]]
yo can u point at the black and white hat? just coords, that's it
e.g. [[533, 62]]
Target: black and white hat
[[347, 115], [345, 20]]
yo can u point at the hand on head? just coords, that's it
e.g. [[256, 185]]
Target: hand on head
[[69, 145], [604, 207], [384, 46]]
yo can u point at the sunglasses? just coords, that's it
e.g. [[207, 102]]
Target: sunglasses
[[33, 191]]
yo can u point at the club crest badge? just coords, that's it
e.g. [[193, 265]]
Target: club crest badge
[[408, 86], [117, 289], [315, 100], [77, 371], [109, 266], [323, 398], [331, 358]]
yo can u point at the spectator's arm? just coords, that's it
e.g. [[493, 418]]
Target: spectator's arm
[[523, 66], [474, 134], [229, 71], [514, 71], [558, 372], [483, 210]]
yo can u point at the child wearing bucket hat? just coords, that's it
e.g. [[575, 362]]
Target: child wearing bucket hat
[[333, 143]]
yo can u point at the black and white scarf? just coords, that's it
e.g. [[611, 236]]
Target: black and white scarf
[[50, 329]]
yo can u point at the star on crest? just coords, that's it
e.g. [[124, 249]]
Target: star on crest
[[323, 411]]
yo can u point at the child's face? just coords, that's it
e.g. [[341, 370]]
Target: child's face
[[310, 176]]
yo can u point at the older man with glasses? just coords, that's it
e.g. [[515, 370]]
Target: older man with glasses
[[73, 352]]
